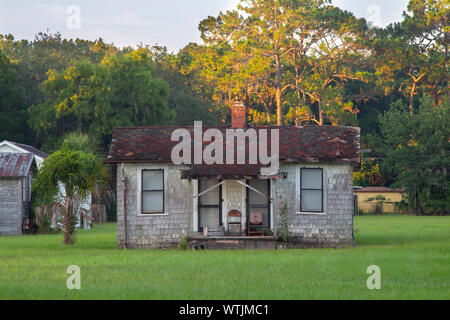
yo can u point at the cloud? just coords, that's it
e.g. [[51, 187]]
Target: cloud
[[172, 23], [379, 12]]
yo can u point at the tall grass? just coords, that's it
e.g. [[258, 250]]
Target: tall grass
[[412, 252]]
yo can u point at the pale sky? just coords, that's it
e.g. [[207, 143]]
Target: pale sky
[[172, 23]]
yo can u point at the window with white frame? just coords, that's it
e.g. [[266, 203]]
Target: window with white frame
[[152, 191], [311, 189]]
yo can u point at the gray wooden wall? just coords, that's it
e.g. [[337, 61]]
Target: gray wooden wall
[[11, 206], [333, 227]]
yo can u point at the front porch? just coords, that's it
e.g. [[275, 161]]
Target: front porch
[[231, 211], [227, 208], [200, 242]]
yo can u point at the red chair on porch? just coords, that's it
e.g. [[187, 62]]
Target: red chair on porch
[[255, 224], [234, 218]]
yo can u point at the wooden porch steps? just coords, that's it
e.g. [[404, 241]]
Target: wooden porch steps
[[232, 242]]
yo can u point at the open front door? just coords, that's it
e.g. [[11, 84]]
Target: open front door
[[256, 202], [209, 205]]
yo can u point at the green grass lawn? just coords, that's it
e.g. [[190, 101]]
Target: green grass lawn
[[412, 252]]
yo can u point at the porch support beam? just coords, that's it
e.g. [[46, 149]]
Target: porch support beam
[[209, 189], [240, 182], [256, 190]]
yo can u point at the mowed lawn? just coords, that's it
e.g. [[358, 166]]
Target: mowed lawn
[[412, 252]]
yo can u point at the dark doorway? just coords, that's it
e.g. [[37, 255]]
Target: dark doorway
[[209, 205], [256, 202]]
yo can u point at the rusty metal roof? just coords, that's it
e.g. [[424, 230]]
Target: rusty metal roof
[[15, 164]]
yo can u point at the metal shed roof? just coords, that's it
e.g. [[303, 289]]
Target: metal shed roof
[[15, 164]]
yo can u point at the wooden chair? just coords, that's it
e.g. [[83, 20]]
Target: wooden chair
[[234, 218], [255, 222]]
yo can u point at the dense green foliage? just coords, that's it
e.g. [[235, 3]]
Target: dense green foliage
[[369, 174], [12, 114], [294, 57], [96, 98], [417, 149], [412, 252]]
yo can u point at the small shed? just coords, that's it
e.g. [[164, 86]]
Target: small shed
[[16, 171], [369, 197]]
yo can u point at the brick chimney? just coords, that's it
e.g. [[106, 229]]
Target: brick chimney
[[238, 115]]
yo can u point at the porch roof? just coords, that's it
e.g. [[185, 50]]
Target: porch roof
[[224, 171]]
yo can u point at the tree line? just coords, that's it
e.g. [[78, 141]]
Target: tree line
[[291, 62]]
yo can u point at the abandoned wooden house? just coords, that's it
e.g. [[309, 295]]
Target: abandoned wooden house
[[18, 163], [309, 199]]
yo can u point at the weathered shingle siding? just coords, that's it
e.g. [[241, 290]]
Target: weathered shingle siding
[[335, 226], [10, 206], [332, 228], [154, 231]]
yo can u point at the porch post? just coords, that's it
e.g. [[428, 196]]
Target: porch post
[[194, 224]]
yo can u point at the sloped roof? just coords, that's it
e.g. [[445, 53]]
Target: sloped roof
[[24, 147], [297, 144], [31, 149], [15, 164]]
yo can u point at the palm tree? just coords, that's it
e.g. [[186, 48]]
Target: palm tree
[[67, 177], [80, 141]]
